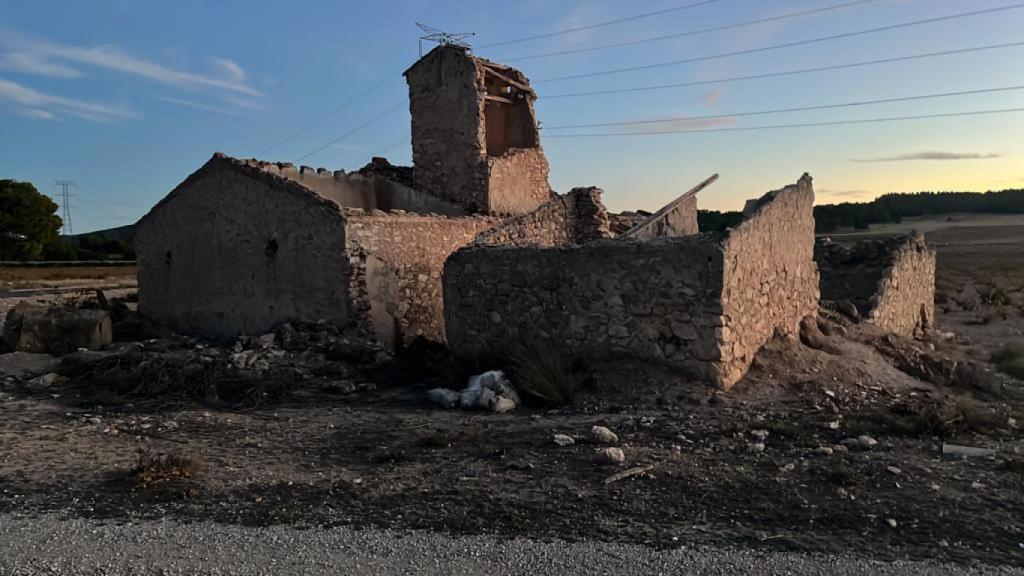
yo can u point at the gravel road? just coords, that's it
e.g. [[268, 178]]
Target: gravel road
[[49, 545]]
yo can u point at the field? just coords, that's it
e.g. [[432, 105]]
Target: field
[[984, 249], [44, 277], [777, 462]]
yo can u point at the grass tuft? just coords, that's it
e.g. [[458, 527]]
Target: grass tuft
[[543, 374]]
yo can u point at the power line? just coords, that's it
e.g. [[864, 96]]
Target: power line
[[693, 32], [383, 114], [598, 25], [784, 73], [786, 110], [787, 44], [334, 111], [802, 125]]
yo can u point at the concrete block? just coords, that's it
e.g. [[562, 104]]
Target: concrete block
[[53, 330]]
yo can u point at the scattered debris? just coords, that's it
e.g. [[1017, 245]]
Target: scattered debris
[[443, 397], [966, 451], [627, 473], [487, 391]]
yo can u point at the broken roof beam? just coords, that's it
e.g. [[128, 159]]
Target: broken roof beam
[[504, 78], [672, 219]]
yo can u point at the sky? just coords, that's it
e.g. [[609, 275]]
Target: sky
[[127, 98]]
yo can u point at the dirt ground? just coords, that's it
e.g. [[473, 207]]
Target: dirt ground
[[775, 462]]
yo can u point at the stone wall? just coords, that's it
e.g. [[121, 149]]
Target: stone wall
[[677, 219], [475, 140], [575, 218], [448, 138], [705, 303], [366, 191], [657, 300], [396, 261], [770, 278], [517, 181], [237, 250], [891, 281]]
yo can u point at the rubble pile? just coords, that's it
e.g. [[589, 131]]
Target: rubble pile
[[245, 371]]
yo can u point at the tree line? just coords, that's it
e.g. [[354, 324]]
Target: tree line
[[30, 230], [893, 207]]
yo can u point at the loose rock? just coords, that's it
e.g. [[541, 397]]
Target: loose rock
[[610, 456], [564, 440], [602, 435]]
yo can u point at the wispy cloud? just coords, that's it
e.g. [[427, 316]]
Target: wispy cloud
[[33, 63], [843, 193], [930, 155], [43, 104], [37, 113], [677, 123], [711, 98], [582, 15], [198, 105], [226, 78]]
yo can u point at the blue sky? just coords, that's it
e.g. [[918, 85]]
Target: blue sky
[[128, 98]]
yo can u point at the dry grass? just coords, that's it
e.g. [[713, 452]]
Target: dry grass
[[158, 468], [543, 374], [43, 277]]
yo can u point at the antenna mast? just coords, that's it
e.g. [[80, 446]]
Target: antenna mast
[[444, 38]]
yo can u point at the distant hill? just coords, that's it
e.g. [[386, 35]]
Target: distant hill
[[110, 244], [126, 233]]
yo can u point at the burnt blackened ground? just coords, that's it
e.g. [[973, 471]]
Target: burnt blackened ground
[[362, 448]]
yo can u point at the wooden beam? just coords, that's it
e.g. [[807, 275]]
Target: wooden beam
[[501, 99], [641, 227], [507, 80]]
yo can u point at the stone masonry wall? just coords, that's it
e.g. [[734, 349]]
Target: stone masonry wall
[[890, 281], [677, 219], [517, 181], [656, 300], [364, 191], [575, 218], [448, 138], [770, 278], [905, 301], [454, 99], [396, 261], [236, 250]]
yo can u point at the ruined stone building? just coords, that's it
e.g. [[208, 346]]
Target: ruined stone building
[[475, 138], [703, 302], [889, 281], [472, 247], [242, 245]]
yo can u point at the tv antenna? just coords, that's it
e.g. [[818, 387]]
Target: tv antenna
[[444, 38]]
